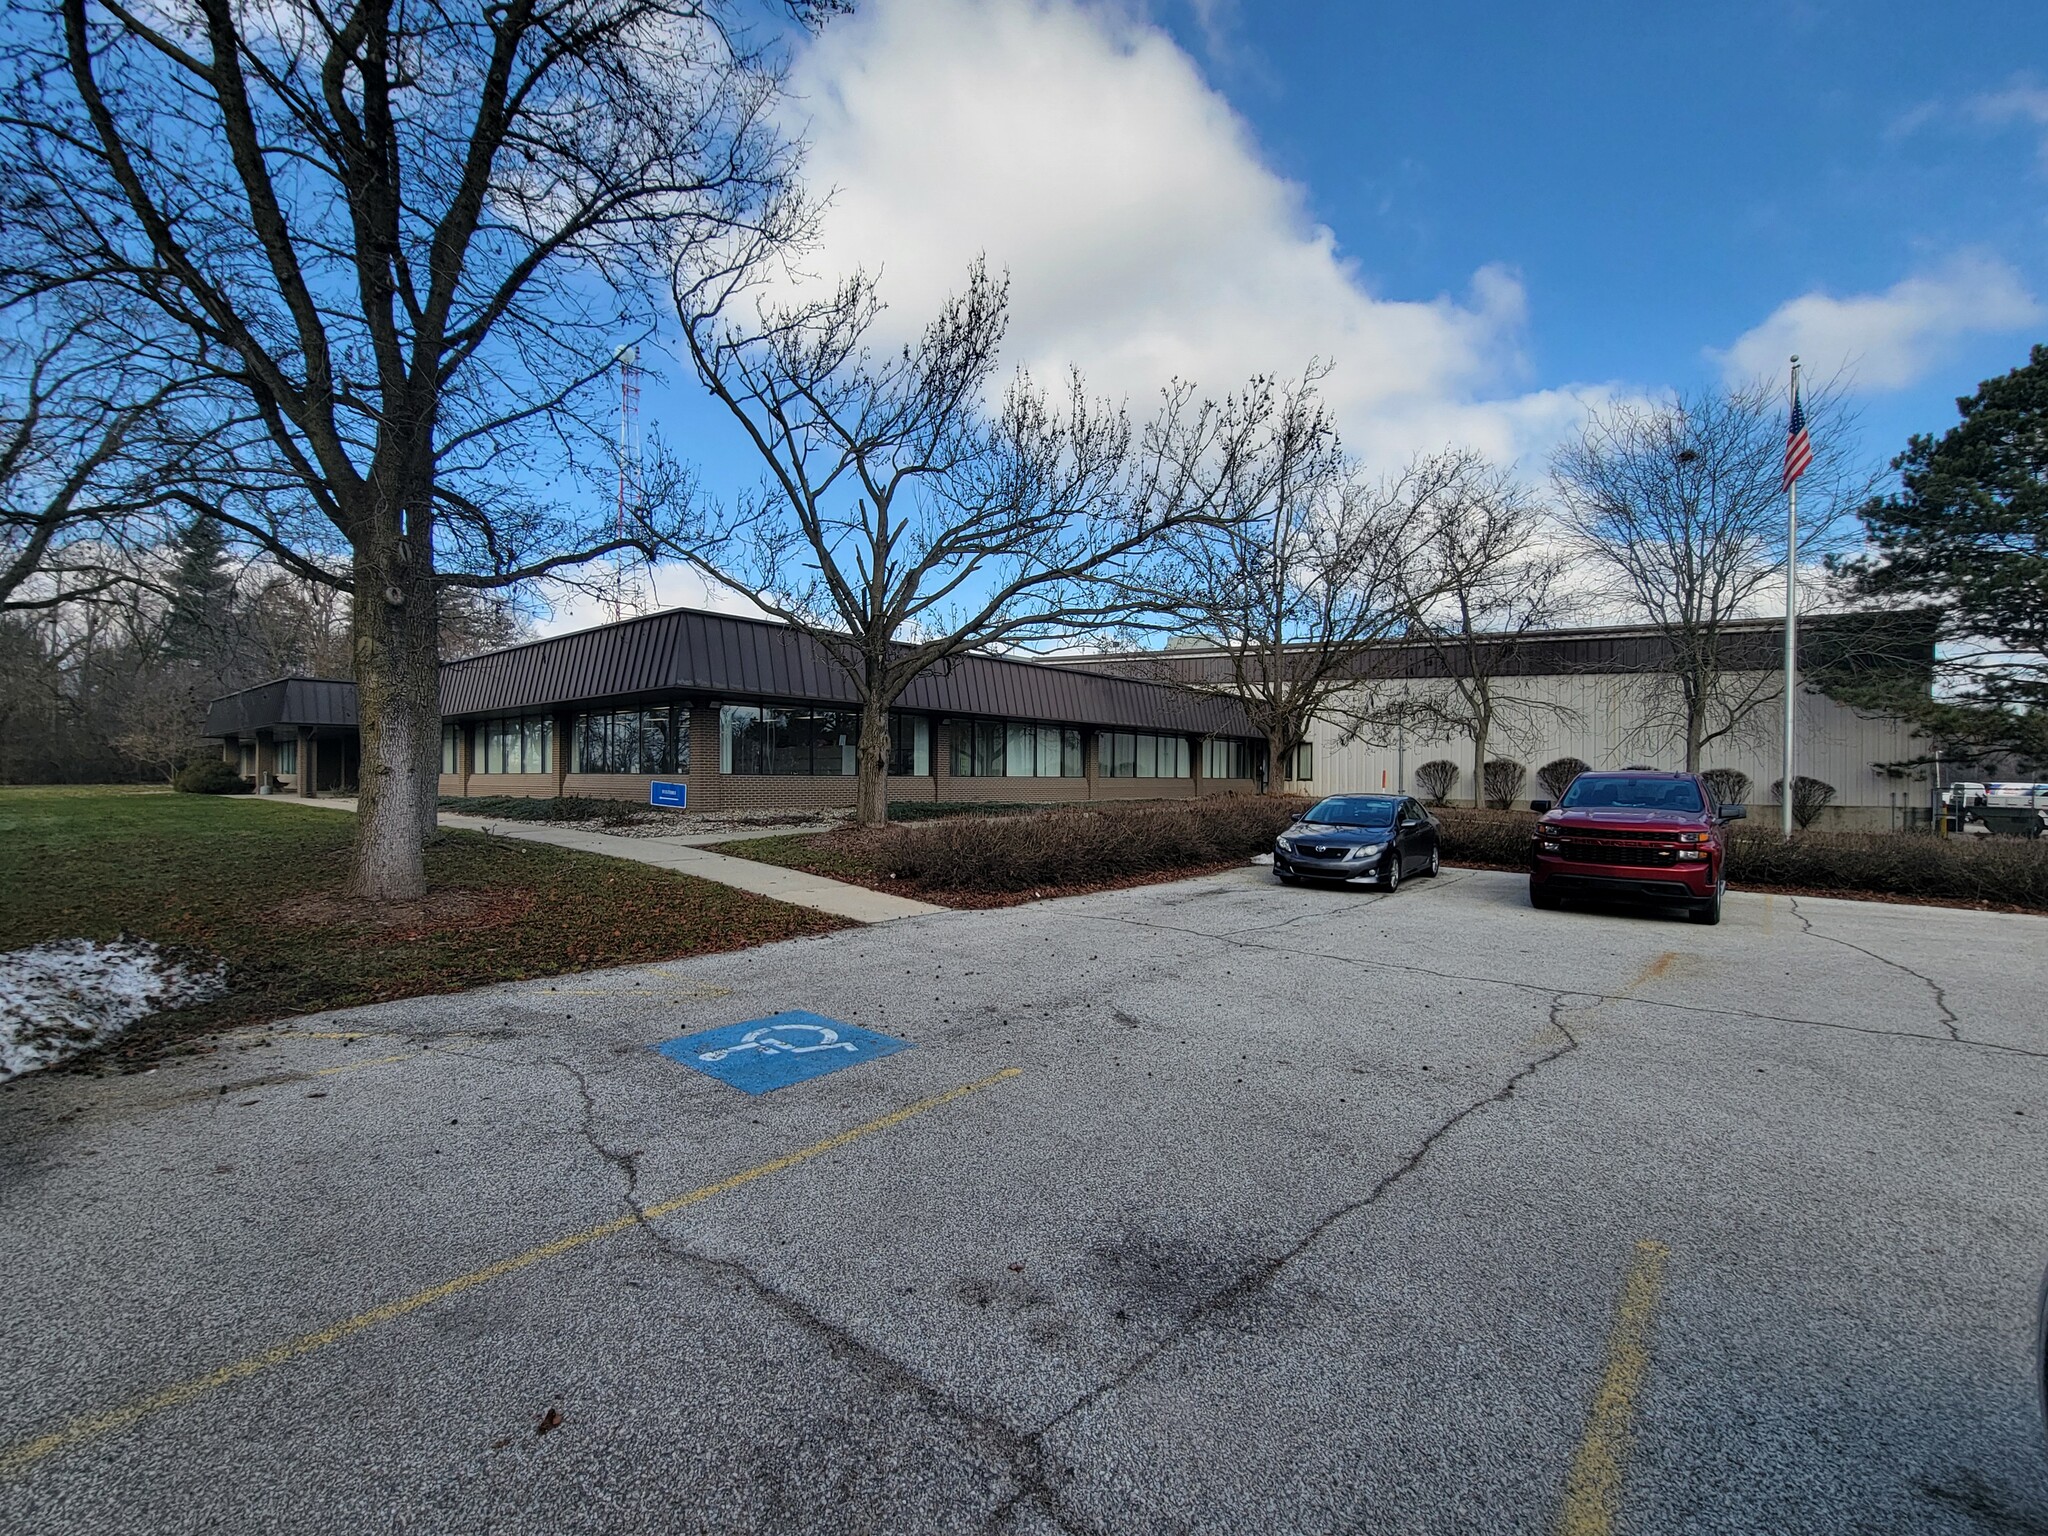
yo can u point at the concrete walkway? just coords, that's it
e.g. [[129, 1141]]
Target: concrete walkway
[[690, 856]]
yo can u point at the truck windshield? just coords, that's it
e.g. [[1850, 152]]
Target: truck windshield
[[1618, 791]]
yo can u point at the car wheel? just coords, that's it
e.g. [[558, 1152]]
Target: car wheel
[[1391, 874], [1436, 860], [1542, 899], [1709, 911]]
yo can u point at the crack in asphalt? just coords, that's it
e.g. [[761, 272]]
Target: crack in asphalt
[[628, 1163], [1948, 1020], [1236, 940], [979, 1433], [1255, 1279]]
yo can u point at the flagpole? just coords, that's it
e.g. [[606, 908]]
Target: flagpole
[[1791, 629]]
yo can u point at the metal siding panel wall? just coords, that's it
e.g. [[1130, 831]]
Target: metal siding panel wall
[[1836, 745]]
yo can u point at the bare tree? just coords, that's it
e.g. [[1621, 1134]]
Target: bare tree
[[1488, 573], [403, 245], [1679, 503], [1296, 584], [903, 521], [86, 451]]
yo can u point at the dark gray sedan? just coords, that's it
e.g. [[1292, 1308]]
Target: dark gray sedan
[[1360, 840]]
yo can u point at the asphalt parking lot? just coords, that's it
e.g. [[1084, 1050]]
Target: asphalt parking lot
[[1213, 1207]]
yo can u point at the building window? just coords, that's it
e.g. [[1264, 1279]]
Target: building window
[[653, 740], [756, 738], [1230, 759], [451, 749], [523, 744], [1014, 749], [1135, 755], [910, 746], [285, 757], [1301, 762]]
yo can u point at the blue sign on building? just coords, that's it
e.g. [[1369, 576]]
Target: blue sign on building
[[762, 1055], [669, 793]]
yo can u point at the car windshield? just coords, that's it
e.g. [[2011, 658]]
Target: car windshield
[[1616, 791], [1354, 811]]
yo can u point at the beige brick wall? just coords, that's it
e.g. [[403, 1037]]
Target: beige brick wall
[[523, 786]]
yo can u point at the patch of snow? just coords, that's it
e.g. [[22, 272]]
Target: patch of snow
[[58, 998]]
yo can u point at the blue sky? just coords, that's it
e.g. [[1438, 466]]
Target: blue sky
[[1662, 177], [1490, 217]]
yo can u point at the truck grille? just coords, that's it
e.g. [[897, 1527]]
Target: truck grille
[[1586, 850]]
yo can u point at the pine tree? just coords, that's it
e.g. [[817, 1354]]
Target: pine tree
[[202, 594], [1967, 533]]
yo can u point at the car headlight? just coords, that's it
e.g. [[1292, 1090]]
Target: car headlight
[[1284, 844], [1365, 850]]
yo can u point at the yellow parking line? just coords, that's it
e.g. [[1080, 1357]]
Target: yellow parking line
[[1592, 1490], [374, 1061], [92, 1426]]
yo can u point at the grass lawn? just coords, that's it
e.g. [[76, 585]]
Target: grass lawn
[[259, 884]]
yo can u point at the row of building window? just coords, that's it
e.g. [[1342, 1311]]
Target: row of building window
[[1012, 749], [756, 739], [1136, 755], [631, 741]]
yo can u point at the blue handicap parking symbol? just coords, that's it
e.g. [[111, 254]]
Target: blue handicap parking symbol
[[762, 1055]]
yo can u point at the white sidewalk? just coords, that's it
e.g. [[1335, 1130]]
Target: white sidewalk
[[689, 856]]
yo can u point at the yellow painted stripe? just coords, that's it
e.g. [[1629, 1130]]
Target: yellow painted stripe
[[1592, 1491], [374, 1061], [92, 1426]]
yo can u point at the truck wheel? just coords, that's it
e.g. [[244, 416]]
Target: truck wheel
[[1709, 911]]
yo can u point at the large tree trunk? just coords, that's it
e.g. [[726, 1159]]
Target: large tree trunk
[[397, 669], [871, 808], [1277, 747]]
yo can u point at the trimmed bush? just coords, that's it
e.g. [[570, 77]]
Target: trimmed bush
[[1067, 847], [1915, 866], [209, 776], [1504, 780], [1556, 775], [1437, 779], [1730, 786], [1809, 798]]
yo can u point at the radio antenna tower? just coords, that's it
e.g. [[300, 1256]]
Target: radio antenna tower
[[629, 478]]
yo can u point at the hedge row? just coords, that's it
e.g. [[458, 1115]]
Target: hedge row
[[2001, 871], [1068, 846]]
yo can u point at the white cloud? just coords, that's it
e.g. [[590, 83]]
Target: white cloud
[[668, 586], [2020, 102], [1885, 340], [1145, 238]]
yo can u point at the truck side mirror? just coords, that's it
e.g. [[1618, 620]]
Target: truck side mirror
[[1539, 806], [1735, 813]]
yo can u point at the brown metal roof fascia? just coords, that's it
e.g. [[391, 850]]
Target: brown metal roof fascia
[[283, 701], [720, 656]]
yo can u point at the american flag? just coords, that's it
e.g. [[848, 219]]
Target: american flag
[[1798, 446]]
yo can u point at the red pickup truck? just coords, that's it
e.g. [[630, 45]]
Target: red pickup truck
[[1634, 836]]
